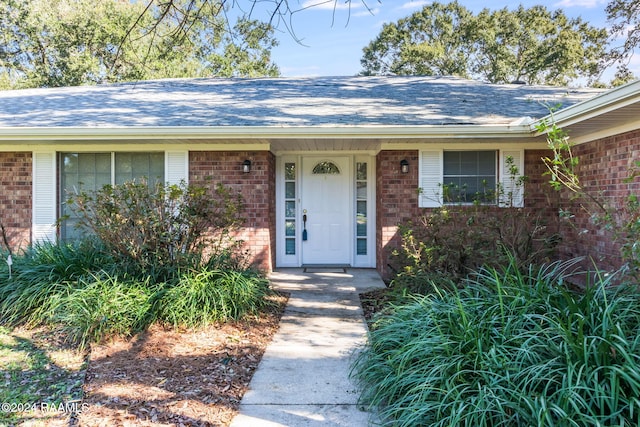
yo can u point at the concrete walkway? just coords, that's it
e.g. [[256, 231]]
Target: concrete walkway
[[303, 378]]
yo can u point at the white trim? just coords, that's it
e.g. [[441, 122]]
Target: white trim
[[368, 260], [492, 144], [608, 101], [44, 206], [282, 259], [513, 192], [176, 167], [88, 146], [430, 167], [260, 132], [362, 261]]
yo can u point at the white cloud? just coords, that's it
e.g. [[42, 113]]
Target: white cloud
[[589, 4], [330, 4], [414, 4], [368, 12]]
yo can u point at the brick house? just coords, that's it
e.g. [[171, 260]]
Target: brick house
[[340, 157]]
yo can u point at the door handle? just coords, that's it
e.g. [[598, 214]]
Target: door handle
[[304, 226]]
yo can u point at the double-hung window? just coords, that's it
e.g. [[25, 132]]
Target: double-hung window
[[471, 176], [91, 171]]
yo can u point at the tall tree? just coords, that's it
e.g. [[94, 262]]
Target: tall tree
[[624, 16], [531, 45], [74, 42], [433, 41]]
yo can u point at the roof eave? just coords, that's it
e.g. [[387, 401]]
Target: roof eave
[[45, 134], [608, 101]]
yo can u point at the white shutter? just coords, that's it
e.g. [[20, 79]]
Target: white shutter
[[176, 167], [512, 189], [430, 179], [44, 197]]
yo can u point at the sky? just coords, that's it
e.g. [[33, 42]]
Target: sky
[[330, 42]]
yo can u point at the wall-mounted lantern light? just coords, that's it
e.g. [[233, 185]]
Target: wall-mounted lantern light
[[246, 166], [404, 166]]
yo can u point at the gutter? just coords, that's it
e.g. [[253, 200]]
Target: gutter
[[47, 134]]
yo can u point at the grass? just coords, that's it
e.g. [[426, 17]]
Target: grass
[[210, 296], [104, 307], [81, 290], [508, 349], [39, 372]]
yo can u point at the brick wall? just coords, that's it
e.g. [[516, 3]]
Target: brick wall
[[257, 189], [15, 198], [603, 166], [397, 201]]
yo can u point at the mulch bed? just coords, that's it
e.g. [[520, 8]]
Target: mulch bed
[[165, 377]]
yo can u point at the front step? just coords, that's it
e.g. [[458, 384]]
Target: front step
[[342, 267]]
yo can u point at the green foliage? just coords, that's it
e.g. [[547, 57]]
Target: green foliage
[[621, 219], [103, 307], [68, 43], [433, 41], [160, 230], [470, 231], [42, 274], [624, 21], [210, 296], [79, 290], [453, 240], [509, 348], [533, 45]]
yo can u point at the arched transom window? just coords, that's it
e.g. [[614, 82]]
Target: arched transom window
[[326, 168]]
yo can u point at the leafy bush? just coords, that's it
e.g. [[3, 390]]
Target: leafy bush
[[453, 240], [209, 296], [43, 272], [104, 307], [510, 349], [471, 230], [160, 230]]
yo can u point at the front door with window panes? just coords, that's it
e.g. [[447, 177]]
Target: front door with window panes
[[335, 195], [326, 205]]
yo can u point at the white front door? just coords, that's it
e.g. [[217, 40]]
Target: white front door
[[326, 201]]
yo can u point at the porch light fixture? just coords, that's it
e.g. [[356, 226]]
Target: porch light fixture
[[404, 166], [246, 166]]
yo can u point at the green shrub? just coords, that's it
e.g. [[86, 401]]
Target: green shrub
[[454, 240], [509, 348], [209, 296], [162, 230], [105, 307], [45, 271]]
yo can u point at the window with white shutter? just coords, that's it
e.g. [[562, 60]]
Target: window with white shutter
[[512, 169], [430, 179], [91, 171], [467, 176], [44, 197]]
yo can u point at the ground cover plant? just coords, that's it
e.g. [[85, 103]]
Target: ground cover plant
[[507, 348]]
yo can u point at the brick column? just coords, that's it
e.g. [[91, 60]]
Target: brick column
[[257, 189]]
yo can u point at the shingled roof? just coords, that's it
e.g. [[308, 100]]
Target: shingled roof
[[284, 102]]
